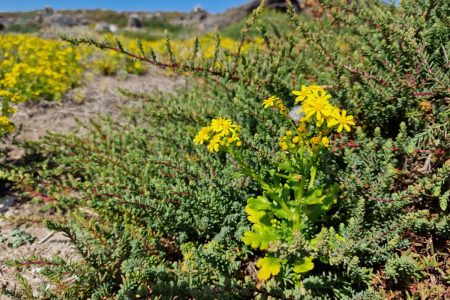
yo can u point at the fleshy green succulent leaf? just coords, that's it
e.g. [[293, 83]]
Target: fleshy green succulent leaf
[[268, 266], [314, 211], [259, 203], [278, 209], [257, 216], [286, 166], [260, 237], [314, 197], [304, 265]]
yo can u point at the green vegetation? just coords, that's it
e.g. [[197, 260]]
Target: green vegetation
[[155, 28], [23, 28], [152, 214], [17, 238], [106, 16], [276, 23]]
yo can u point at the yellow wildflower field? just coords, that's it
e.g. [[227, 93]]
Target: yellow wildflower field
[[33, 68]]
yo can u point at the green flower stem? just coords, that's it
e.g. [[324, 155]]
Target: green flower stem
[[298, 209], [284, 206], [264, 185], [249, 171], [283, 176], [313, 173]]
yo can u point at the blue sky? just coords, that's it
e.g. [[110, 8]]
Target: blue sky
[[128, 5]]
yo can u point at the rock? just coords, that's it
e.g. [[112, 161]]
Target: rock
[[84, 22], [2, 24], [197, 17], [48, 10], [198, 9], [151, 15], [39, 18], [62, 20], [6, 203], [51, 18], [134, 21], [102, 27], [296, 114], [105, 27], [113, 28], [205, 21]]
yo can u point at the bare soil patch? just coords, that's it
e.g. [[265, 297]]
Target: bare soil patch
[[24, 218], [98, 96]]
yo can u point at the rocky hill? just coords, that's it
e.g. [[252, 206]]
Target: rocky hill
[[112, 21], [206, 21]]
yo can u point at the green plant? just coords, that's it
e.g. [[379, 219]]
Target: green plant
[[294, 200], [17, 238], [402, 269], [152, 215], [155, 28], [23, 28]]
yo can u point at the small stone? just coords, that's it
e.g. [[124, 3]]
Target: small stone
[[296, 113], [134, 21], [7, 202]]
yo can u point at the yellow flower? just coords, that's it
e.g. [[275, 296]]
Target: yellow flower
[[203, 135], [307, 91], [233, 138], [342, 120], [10, 128], [316, 89], [270, 102], [221, 125], [220, 133], [302, 95], [425, 106], [301, 128], [315, 140], [214, 144], [4, 120], [318, 107], [11, 110], [325, 141]]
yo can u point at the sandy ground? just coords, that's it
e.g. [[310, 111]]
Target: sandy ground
[[99, 96], [25, 217]]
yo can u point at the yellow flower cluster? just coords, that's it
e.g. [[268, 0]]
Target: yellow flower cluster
[[275, 103], [31, 67], [221, 133], [315, 105], [34, 68], [183, 48], [112, 62], [318, 119], [292, 141]]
